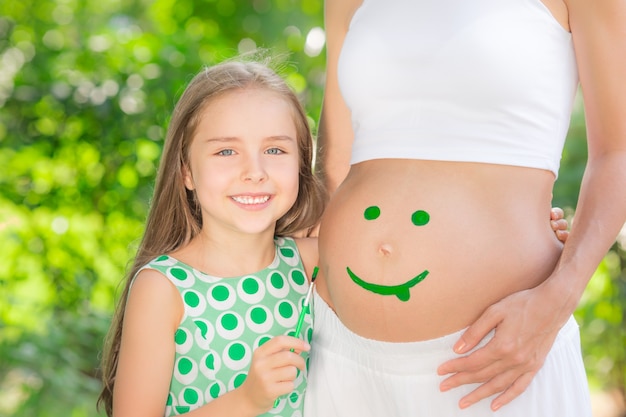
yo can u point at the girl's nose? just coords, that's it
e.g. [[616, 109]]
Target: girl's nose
[[254, 170]]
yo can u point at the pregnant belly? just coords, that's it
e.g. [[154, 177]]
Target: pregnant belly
[[422, 249]]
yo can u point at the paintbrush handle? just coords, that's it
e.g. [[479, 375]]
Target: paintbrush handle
[[305, 307]]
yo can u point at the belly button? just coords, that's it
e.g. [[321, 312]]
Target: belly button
[[385, 249]]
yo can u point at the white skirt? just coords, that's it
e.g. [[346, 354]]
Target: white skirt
[[353, 376]]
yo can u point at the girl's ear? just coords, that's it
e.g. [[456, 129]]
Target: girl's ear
[[187, 178]]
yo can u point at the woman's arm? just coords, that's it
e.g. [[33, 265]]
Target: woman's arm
[[335, 135], [527, 322]]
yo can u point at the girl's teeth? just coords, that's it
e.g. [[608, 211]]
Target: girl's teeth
[[251, 200]]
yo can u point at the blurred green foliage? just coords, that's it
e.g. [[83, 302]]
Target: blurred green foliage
[[86, 89]]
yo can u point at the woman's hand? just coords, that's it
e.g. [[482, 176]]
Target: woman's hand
[[559, 224], [525, 325], [273, 370]]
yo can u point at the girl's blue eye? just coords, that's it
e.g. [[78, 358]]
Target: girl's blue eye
[[225, 152], [274, 151]]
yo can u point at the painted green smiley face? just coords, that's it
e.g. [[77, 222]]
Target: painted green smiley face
[[402, 291]]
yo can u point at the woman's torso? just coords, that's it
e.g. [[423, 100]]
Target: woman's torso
[[226, 319], [488, 81], [465, 146], [487, 236]]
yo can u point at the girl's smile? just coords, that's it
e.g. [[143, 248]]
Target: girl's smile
[[252, 202]]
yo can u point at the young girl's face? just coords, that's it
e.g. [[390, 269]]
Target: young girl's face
[[244, 161]]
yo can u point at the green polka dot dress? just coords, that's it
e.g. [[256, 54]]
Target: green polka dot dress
[[225, 319]]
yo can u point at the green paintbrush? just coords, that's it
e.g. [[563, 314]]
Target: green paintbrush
[[305, 309]]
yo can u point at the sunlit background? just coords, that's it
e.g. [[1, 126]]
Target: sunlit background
[[86, 90]]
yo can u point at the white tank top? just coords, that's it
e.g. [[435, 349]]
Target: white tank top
[[489, 81]]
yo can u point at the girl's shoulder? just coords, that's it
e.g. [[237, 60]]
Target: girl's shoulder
[[167, 265], [171, 269], [150, 289], [159, 262], [307, 247]]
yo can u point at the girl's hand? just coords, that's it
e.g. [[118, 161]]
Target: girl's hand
[[273, 370], [526, 324], [559, 224]]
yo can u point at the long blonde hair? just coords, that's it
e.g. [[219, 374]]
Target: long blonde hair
[[174, 217]]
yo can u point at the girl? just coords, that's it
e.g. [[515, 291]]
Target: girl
[[202, 325]]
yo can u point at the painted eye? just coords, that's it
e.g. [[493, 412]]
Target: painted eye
[[420, 218], [371, 213]]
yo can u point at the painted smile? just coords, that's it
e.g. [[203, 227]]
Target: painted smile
[[402, 291]]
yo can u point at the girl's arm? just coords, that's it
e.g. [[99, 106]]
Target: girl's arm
[[146, 358], [527, 322]]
